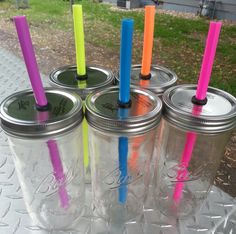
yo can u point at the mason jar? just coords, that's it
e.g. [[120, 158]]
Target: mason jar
[[47, 150], [158, 81], [121, 142], [191, 146], [96, 78]]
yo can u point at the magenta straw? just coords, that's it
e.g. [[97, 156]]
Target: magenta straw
[[203, 82], [186, 157], [30, 60], [208, 60], [58, 172], [41, 100], [57, 165]]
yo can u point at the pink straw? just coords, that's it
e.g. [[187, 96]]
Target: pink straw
[[208, 60], [30, 60], [186, 157], [203, 82], [41, 100]]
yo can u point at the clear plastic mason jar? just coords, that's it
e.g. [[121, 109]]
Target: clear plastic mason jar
[[121, 141], [158, 81], [48, 155], [192, 144], [96, 78]]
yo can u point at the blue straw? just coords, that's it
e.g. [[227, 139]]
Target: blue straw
[[123, 157], [124, 97], [125, 59]]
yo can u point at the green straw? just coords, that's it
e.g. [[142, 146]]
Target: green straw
[[79, 39]]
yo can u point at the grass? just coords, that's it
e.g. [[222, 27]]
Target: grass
[[178, 44]]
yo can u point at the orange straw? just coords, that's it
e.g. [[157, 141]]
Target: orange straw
[[148, 39], [138, 141]]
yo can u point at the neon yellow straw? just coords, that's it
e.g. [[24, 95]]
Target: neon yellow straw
[[82, 84], [85, 141], [81, 68], [79, 39]]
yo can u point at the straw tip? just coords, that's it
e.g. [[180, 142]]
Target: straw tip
[[217, 23], [77, 6], [128, 20], [150, 7], [19, 17], [127, 23]]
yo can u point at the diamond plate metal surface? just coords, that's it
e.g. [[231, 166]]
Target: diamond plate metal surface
[[217, 215]]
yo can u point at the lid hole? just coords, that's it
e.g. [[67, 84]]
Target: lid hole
[[198, 101], [43, 108], [124, 105], [145, 77], [81, 77]]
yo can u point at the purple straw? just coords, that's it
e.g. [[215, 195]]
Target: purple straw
[[56, 164], [30, 60], [58, 172], [41, 100]]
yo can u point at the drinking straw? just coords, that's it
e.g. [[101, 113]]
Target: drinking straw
[[30, 60], [81, 68], [40, 97], [79, 39], [85, 141], [58, 172], [125, 60], [208, 59], [203, 82], [56, 163], [145, 71], [124, 98], [148, 39], [123, 156], [137, 141], [186, 157]]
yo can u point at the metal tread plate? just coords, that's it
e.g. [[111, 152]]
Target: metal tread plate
[[217, 215]]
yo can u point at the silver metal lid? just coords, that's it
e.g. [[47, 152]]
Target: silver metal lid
[[103, 112], [217, 115], [161, 78], [97, 78], [19, 116]]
